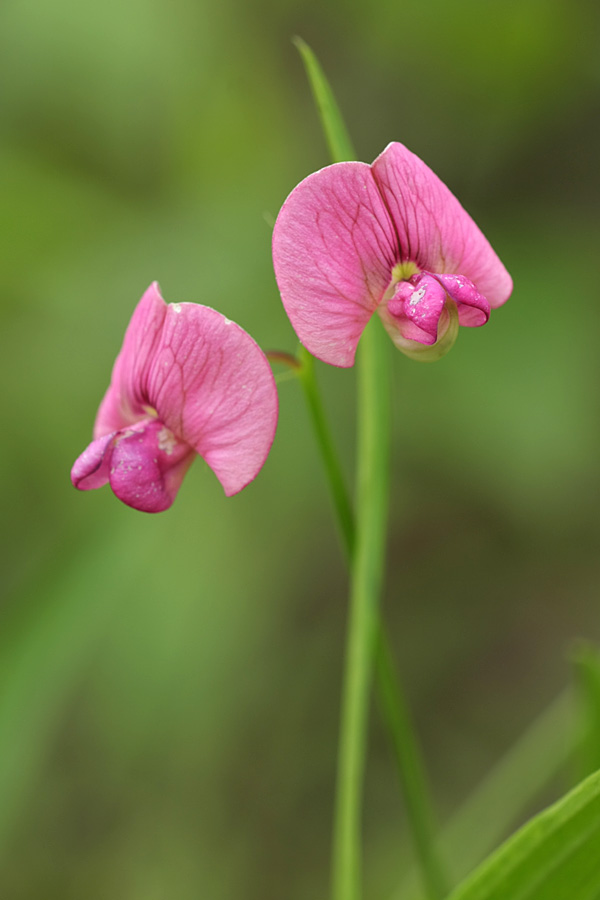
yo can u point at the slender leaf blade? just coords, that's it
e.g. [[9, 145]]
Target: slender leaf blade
[[586, 662], [336, 134], [555, 856]]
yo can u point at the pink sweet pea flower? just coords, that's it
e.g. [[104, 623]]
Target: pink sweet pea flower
[[187, 381], [352, 239]]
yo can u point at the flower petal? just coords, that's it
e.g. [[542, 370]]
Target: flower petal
[[433, 229], [147, 466], [212, 385], [334, 248], [416, 309], [473, 308], [124, 401], [91, 469]]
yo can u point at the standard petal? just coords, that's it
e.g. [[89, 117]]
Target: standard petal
[[91, 469], [147, 466], [124, 402], [334, 248], [212, 385], [433, 229]]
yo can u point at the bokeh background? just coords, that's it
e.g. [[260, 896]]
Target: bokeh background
[[169, 684]]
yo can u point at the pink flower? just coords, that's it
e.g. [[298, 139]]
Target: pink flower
[[352, 239], [187, 381]]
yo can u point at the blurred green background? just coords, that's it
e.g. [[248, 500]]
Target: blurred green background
[[169, 685]]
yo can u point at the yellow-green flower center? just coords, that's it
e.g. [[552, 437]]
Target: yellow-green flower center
[[405, 270]]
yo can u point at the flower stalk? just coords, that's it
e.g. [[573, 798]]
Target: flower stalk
[[331, 463], [394, 709], [364, 542], [366, 582]]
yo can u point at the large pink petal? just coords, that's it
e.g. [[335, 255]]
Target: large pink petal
[[124, 402], [433, 229], [334, 249], [212, 385], [147, 466]]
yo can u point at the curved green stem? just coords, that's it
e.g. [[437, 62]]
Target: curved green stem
[[333, 470], [365, 545], [366, 581], [398, 719], [391, 698]]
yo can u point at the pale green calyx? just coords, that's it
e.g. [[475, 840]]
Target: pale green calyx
[[447, 334]]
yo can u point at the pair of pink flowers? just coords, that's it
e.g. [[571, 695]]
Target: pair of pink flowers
[[350, 240]]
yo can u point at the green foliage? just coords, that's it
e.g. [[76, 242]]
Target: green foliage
[[332, 121], [553, 857], [585, 658]]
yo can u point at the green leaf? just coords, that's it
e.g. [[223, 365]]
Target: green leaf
[[336, 134], [586, 662], [556, 856]]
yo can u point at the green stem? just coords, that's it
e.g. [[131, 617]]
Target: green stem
[[397, 716], [333, 470], [366, 581], [365, 546], [391, 698]]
